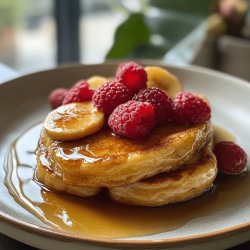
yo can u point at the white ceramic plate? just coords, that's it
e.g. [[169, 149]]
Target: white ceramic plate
[[23, 103]]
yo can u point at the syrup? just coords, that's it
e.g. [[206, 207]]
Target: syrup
[[100, 217], [220, 134]]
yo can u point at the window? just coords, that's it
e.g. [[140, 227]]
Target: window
[[27, 34]]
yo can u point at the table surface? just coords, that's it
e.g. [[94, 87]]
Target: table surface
[[8, 243]]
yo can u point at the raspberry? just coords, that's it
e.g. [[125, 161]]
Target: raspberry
[[56, 97], [110, 95], [133, 119], [161, 102], [79, 92], [132, 75], [190, 109], [231, 157]]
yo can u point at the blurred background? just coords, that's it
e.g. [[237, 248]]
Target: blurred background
[[39, 34]]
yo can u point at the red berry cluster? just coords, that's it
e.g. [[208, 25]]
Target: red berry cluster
[[130, 83], [149, 106]]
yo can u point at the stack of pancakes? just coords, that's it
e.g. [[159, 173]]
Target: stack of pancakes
[[173, 164]]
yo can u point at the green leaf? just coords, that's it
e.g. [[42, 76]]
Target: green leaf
[[149, 51], [131, 34]]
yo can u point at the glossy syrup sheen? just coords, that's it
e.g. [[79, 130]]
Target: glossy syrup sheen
[[100, 217]]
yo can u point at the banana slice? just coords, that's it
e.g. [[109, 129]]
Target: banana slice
[[161, 78], [95, 82], [73, 121]]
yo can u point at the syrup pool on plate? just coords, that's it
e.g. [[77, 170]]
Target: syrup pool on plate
[[100, 217]]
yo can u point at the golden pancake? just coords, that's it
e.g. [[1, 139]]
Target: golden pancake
[[105, 160], [55, 181], [175, 186]]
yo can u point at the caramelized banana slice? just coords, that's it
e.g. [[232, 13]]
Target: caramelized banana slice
[[73, 121], [161, 78], [95, 82]]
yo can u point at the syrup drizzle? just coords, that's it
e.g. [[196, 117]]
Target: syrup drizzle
[[220, 134], [100, 217]]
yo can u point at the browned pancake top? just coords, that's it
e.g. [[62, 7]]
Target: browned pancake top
[[104, 145]]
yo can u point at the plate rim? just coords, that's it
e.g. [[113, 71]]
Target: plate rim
[[63, 236]]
